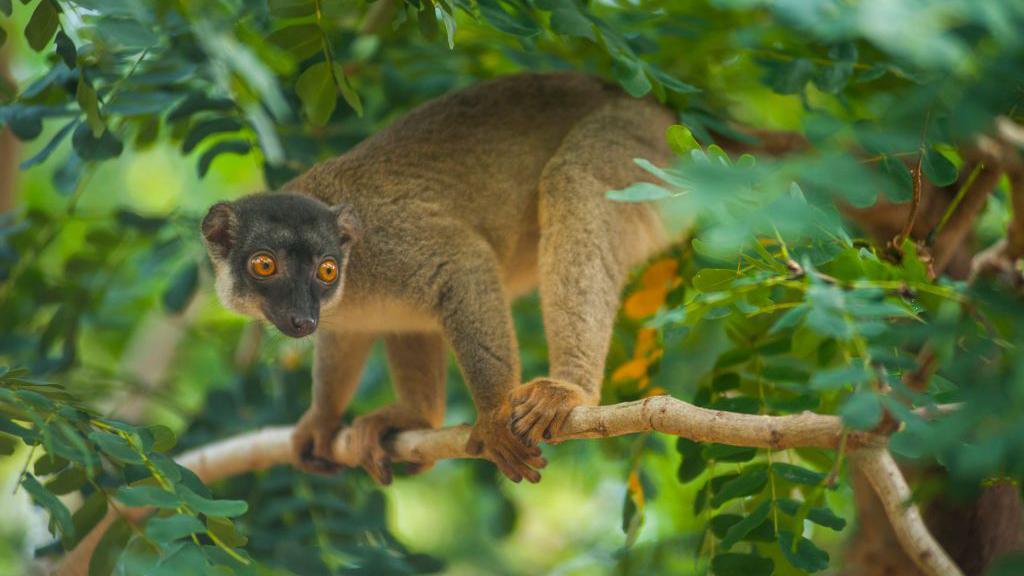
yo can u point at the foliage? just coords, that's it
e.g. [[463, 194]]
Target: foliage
[[773, 306]]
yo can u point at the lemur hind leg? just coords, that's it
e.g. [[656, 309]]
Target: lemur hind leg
[[418, 364], [587, 246]]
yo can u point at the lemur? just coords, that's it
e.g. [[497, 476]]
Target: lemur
[[423, 234]]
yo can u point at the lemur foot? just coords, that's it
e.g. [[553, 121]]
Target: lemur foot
[[367, 438], [312, 439], [541, 406]]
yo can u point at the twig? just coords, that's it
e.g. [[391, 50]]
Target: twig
[[881, 471], [915, 201], [268, 447]]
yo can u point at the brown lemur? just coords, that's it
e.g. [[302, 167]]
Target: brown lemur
[[423, 233]]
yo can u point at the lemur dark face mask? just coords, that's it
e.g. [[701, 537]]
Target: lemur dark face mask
[[279, 256]]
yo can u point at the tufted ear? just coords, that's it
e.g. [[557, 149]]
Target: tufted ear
[[350, 229], [219, 228]]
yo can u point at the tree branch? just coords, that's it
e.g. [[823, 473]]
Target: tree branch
[[881, 471], [268, 447]]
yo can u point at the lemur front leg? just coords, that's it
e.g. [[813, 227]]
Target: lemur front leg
[[337, 366], [469, 300], [417, 363]]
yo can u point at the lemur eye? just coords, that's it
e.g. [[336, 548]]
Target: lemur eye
[[262, 265], [328, 271]]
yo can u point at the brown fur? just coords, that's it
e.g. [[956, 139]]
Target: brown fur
[[463, 204]]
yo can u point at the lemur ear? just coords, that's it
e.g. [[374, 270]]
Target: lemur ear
[[350, 229], [219, 228]]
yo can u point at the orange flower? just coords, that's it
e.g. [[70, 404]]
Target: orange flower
[[645, 302], [659, 273], [632, 370]]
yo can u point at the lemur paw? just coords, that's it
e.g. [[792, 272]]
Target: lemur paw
[[367, 435], [541, 406], [492, 438], [312, 439]]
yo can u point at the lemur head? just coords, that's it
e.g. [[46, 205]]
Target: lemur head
[[279, 256]]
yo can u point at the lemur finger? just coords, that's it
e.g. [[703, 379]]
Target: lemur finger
[[475, 446], [378, 466], [523, 425], [504, 463], [555, 427]]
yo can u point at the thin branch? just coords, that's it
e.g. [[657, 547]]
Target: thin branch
[[881, 471], [268, 447]]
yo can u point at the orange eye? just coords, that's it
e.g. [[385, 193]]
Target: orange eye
[[262, 265], [328, 271]]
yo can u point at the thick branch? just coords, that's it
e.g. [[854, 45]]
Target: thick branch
[[272, 446], [891, 487]]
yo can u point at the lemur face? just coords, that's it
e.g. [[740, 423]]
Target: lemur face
[[280, 257]]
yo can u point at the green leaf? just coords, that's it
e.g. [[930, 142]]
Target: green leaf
[[629, 73], [901, 187], [181, 288], [862, 411], [681, 140], [792, 76], [66, 50], [797, 474], [222, 147], [805, 555], [713, 279], [163, 438], [105, 556], [727, 453], [42, 25], [67, 481], [91, 148], [939, 170], [739, 530], [208, 127], [832, 78], [49, 464], [5, 7], [725, 382], [840, 377], [733, 564], [291, 8], [819, 514], [90, 104], [89, 513], [59, 514], [639, 192], [167, 529], [301, 41], [46, 151], [692, 463], [751, 481], [147, 495], [225, 531], [116, 447], [198, 102], [568, 17], [8, 445], [126, 33], [318, 93], [517, 24], [347, 91], [210, 507]]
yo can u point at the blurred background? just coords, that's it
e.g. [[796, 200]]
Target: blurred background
[[125, 120]]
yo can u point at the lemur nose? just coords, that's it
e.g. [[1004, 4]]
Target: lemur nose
[[304, 324]]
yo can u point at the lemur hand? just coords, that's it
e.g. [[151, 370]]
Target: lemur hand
[[367, 436]]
